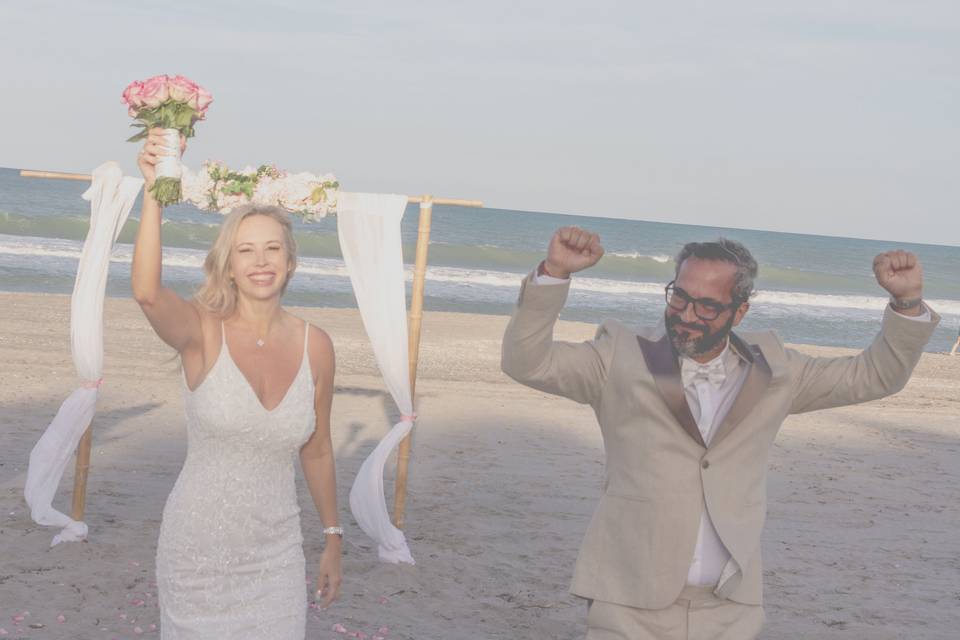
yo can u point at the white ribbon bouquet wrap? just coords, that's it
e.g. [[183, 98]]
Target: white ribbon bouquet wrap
[[169, 166]]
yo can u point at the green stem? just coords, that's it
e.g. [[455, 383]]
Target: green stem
[[166, 191]]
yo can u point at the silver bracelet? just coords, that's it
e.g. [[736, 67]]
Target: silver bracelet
[[336, 531]]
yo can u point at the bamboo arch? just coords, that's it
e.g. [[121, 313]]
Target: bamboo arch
[[415, 318]]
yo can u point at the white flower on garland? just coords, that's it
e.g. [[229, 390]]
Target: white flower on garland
[[216, 187], [196, 187]]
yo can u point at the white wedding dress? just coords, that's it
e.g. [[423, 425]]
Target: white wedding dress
[[230, 558]]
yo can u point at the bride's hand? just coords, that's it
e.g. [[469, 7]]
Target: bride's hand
[[154, 148], [328, 582]]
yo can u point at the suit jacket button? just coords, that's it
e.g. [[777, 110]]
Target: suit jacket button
[[705, 464]]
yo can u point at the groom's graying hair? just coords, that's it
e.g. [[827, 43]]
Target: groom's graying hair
[[730, 251]]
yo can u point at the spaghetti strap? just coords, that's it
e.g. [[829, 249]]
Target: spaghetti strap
[[306, 337], [223, 336]]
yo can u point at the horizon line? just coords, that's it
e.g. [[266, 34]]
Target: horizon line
[[682, 224]]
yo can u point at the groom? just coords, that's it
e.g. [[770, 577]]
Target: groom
[[688, 413]]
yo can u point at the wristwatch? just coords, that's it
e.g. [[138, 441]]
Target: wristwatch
[[903, 304], [336, 531]]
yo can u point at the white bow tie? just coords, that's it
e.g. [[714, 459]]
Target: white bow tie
[[713, 372]]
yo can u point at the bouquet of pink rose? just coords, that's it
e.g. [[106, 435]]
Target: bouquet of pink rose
[[173, 104]]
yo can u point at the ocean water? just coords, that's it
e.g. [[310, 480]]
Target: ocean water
[[812, 289]]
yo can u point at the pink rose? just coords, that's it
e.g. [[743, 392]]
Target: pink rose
[[133, 95], [201, 102], [155, 91], [182, 89]]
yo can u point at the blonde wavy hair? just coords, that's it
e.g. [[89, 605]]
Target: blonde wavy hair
[[218, 294]]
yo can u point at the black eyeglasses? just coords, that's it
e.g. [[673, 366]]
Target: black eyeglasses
[[703, 308]]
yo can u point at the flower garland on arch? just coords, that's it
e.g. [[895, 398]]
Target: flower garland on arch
[[216, 187]]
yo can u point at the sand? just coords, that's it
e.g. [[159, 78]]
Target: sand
[[861, 539]]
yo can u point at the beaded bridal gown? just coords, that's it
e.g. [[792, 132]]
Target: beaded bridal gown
[[230, 559]]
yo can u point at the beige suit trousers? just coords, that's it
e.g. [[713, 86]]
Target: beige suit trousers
[[696, 615]]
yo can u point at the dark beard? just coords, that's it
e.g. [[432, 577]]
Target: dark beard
[[690, 347]]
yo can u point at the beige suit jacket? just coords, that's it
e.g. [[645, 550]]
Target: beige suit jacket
[[659, 475]]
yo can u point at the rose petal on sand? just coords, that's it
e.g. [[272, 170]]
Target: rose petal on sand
[[383, 631], [123, 616], [138, 603], [17, 619], [137, 630], [383, 600], [339, 628], [153, 627], [61, 618], [3, 631]]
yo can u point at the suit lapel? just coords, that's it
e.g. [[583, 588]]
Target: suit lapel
[[754, 387], [662, 363]]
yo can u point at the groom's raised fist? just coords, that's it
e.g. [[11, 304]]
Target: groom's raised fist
[[900, 273], [572, 249]]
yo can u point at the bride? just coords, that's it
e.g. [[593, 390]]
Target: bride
[[258, 386]]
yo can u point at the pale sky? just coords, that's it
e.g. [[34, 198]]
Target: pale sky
[[834, 118]]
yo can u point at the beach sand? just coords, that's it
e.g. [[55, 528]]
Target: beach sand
[[861, 537]]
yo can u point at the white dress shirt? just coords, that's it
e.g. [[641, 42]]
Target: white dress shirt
[[709, 402]]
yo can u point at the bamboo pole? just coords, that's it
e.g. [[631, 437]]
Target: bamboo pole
[[456, 202], [415, 322], [80, 475], [57, 175]]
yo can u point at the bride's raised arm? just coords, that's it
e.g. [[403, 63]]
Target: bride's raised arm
[[175, 320]]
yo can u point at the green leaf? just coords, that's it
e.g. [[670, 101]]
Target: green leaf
[[184, 120], [318, 195], [140, 135]]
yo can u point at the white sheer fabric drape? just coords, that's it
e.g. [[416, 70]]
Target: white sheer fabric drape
[[369, 229], [111, 197]]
